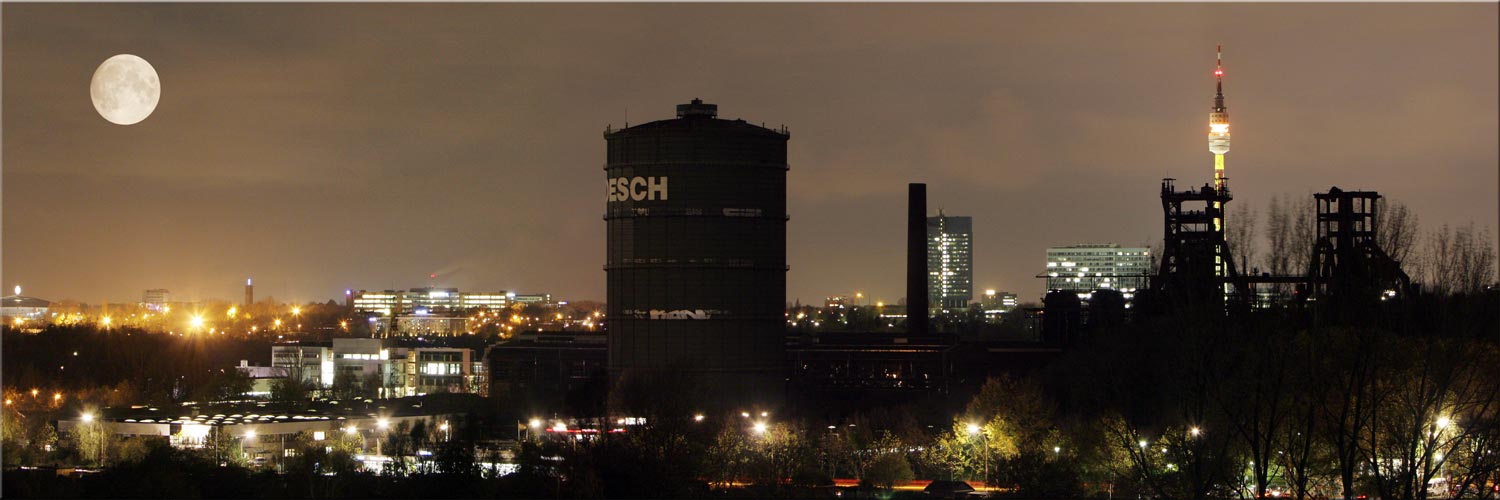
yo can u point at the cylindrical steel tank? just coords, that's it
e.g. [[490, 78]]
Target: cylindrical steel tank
[[696, 261]]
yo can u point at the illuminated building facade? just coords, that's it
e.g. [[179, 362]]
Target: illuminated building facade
[[156, 299], [438, 301], [1089, 267], [950, 261], [695, 215], [995, 303], [398, 371], [419, 325], [19, 308], [312, 364]]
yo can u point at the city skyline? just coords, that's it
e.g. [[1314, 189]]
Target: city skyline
[[316, 161]]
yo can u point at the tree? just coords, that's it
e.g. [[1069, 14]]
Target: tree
[[1240, 229], [1396, 231], [347, 385], [1458, 260], [887, 470], [226, 384], [290, 389], [1290, 229]]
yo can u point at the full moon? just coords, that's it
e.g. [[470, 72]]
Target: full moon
[[125, 89]]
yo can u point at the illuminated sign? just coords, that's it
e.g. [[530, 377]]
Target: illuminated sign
[[680, 314], [638, 189]]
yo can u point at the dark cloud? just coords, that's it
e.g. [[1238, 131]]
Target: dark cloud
[[321, 147]]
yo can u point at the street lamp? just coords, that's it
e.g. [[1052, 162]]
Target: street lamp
[[1195, 431], [985, 456], [698, 417], [88, 418], [447, 435], [760, 427]]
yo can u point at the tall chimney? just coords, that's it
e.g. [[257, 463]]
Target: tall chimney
[[916, 260]]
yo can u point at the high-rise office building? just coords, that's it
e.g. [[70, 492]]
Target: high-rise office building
[[1088, 267], [696, 258], [950, 261]]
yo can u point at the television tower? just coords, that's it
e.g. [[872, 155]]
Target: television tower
[[1218, 132]]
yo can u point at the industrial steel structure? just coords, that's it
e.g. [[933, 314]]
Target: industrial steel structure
[[1347, 269]]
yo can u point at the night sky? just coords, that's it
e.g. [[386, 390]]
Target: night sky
[[323, 147]]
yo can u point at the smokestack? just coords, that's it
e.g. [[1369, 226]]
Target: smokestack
[[916, 260]]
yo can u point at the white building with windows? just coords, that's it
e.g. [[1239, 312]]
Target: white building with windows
[[1089, 267], [438, 301], [398, 371]]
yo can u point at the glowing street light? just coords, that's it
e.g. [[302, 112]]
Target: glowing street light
[[88, 418], [249, 434], [1443, 422], [973, 429], [1195, 431], [296, 311], [535, 423], [350, 430], [383, 424], [760, 427], [1143, 444], [696, 418], [197, 321], [106, 321]]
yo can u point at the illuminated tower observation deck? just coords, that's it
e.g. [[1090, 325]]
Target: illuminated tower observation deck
[[1218, 131]]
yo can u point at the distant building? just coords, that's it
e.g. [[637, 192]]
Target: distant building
[[1088, 267], [312, 364], [950, 261], [156, 299], [18, 309], [544, 299], [261, 378], [995, 303], [396, 371], [438, 301], [419, 325]]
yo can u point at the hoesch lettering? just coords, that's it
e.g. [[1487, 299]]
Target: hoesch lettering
[[680, 314], [638, 189]]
